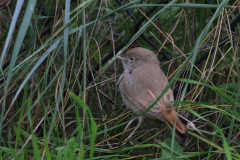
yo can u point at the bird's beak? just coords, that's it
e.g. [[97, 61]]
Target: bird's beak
[[119, 57]]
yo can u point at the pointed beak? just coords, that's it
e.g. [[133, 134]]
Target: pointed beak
[[119, 57]]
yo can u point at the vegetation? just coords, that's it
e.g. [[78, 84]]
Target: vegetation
[[57, 102]]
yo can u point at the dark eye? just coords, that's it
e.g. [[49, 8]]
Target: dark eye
[[132, 58]]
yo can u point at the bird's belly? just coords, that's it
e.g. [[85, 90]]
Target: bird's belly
[[132, 107]]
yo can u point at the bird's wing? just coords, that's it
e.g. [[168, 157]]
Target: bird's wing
[[143, 85], [141, 88]]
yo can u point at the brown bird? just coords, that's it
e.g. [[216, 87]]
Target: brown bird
[[141, 82]]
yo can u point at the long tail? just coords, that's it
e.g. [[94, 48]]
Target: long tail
[[170, 117], [181, 123]]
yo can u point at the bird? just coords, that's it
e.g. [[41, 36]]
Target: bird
[[141, 82]]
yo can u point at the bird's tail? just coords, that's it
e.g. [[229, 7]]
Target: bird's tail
[[181, 123]]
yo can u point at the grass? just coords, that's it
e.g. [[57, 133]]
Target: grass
[[55, 105]]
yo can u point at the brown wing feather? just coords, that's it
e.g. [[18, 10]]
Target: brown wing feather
[[134, 87]]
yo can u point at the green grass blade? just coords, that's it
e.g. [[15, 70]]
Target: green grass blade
[[22, 31]]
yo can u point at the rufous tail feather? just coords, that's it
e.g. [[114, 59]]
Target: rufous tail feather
[[172, 116], [180, 126]]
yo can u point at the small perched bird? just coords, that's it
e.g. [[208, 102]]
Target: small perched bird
[[141, 82]]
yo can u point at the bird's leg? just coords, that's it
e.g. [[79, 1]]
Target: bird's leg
[[129, 123], [140, 120]]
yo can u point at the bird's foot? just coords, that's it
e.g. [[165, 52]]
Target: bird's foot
[[128, 139]]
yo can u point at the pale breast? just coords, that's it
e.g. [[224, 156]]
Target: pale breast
[[137, 107]]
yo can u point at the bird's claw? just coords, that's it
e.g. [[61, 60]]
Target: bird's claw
[[128, 140]]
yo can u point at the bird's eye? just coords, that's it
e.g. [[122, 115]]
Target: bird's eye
[[132, 58]]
